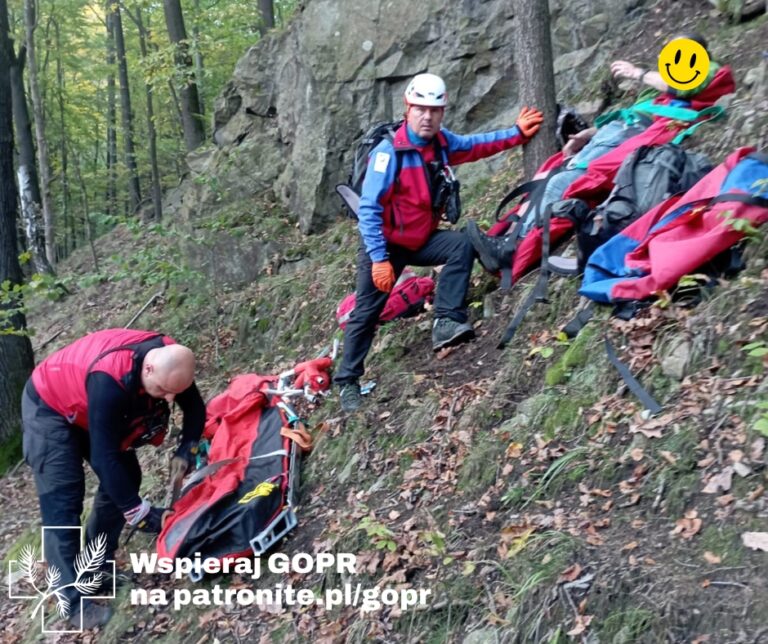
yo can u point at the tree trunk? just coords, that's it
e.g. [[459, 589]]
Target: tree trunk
[[134, 191], [111, 196], [267, 11], [86, 213], [198, 60], [16, 359], [536, 76], [157, 192], [29, 185], [38, 109], [194, 132], [66, 197]]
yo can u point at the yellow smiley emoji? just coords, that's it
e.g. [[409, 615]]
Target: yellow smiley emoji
[[683, 63]]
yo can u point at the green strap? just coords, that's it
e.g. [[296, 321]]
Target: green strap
[[667, 111], [710, 114], [625, 114], [629, 116]]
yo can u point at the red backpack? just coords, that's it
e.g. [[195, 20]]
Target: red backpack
[[406, 299]]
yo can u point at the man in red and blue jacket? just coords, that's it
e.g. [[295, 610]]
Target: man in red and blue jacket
[[398, 219], [98, 399]]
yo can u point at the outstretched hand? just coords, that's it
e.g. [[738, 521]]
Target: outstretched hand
[[577, 141], [529, 121], [625, 69]]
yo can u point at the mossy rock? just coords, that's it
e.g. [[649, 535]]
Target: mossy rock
[[576, 355]]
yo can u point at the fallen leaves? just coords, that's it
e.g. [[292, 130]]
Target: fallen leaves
[[711, 558], [650, 428], [571, 573], [514, 450], [755, 540], [719, 482], [668, 456], [514, 539], [688, 526], [580, 624]]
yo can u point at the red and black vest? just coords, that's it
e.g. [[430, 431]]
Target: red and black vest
[[61, 380]]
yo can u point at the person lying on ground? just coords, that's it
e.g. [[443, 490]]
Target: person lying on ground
[[592, 143]]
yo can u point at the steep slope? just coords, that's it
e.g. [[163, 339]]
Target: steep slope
[[524, 489]]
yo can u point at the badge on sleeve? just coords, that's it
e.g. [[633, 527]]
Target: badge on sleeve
[[380, 162]]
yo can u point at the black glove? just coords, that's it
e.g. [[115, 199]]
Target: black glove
[[188, 451], [152, 523]]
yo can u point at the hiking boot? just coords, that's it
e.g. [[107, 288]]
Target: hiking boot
[[110, 584], [351, 398], [447, 333], [92, 615], [494, 253]]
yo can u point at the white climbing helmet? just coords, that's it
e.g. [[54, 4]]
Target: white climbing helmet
[[426, 89]]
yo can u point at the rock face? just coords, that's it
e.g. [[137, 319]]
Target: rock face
[[298, 100]]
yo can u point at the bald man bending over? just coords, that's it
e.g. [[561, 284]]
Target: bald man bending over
[[98, 399]]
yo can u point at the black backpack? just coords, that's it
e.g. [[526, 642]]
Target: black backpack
[[648, 176], [443, 185], [351, 190]]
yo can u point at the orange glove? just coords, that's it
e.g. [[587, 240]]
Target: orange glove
[[383, 276], [529, 121]]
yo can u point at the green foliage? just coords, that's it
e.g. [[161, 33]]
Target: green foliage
[[627, 625], [10, 452], [760, 424], [13, 296], [575, 356], [11, 305], [756, 349], [160, 262], [381, 537], [73, 71], [741, 225], [552, 478]]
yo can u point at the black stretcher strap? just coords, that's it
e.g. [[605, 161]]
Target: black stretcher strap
[[539, 291], [634, 385], [522, 189]]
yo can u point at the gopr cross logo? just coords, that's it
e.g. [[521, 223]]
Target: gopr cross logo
[[90, 565]]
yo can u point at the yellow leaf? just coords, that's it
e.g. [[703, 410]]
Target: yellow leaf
[[519, 543], [514, 450]]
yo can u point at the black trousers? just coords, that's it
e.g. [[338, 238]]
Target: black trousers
[[448, 247], [55, 450]]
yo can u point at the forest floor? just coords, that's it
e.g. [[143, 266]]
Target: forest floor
[[524, 488]]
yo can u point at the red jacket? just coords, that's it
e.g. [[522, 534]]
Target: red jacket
[[397, 207], [60, 379]]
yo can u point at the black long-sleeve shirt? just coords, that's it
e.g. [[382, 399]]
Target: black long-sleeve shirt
[[110, 409]]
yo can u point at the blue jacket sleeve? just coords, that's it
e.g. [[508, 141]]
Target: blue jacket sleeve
[[377, 188], [471, 147]]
